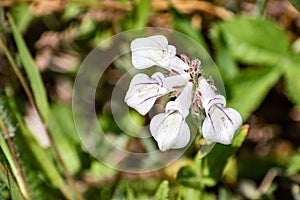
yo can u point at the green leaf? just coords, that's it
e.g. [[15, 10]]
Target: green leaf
[[224, 59], [129, 193], [6, 123], [188, 177], [296, 4], [31, 69], [292, 80], [142, 13], [5, 149], [14, 189], [218, 157], [3, 175], [9, 181], [63, 115], [294, 163], [251, 40], [65, 136], [38, 153], [250, 87], [182, 23], [226, 195], [22, 16], [163, 190], [189, 193]]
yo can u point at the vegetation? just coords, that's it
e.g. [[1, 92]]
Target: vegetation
[[255, 45]]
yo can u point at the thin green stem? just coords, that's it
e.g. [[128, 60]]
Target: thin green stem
[[20, 173], [24, 84], [18, 73], [64, 168]]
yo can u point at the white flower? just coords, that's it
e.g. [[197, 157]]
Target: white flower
[[221, 124], [189, 88], [169, 129], [154, 50], [143, 91]]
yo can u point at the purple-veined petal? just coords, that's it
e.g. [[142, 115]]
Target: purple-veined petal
[[221, 124], [216, 100], [177, 81], [176, 65], [185, 98], [206, 90], [143, 91], [170, 130]]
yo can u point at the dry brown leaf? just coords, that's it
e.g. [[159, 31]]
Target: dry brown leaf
[[46, 7]]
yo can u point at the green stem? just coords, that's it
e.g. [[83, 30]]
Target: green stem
[[18, 73], [32, 102], [20, 176]]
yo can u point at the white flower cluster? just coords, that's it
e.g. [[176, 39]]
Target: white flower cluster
[[191, 89]]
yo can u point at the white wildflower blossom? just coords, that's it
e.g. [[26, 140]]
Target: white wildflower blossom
[[169, 129], [220, 124], [191, 90]]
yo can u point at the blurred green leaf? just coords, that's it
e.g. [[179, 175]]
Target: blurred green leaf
[[187, 193], [292, 72], [7, 178], [183, 24], [163, 190], [226, 195], [296, 4], [38, 153], [251, 40], [22, 16], [294, 163], [142, 12], [86, 30], [250, 87], [70, 12], [3, 175], [63, 115], [224, 59], [218, 157], [129, 193], [261, 6], [7, 153], [188, 177], [14, 189], [32, 71], [65, 136], [7, 125]]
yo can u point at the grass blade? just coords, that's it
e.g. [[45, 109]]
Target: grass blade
[[31, 69]]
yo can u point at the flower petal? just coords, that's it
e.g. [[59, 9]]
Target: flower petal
[[154, 50], [177, 81], [206, 90], [185, 98], [170, 131], [216, 100], [221, 124], [177, 65], [143, 91], [149, 51]]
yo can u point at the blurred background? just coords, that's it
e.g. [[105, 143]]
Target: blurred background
[[256, 46]]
